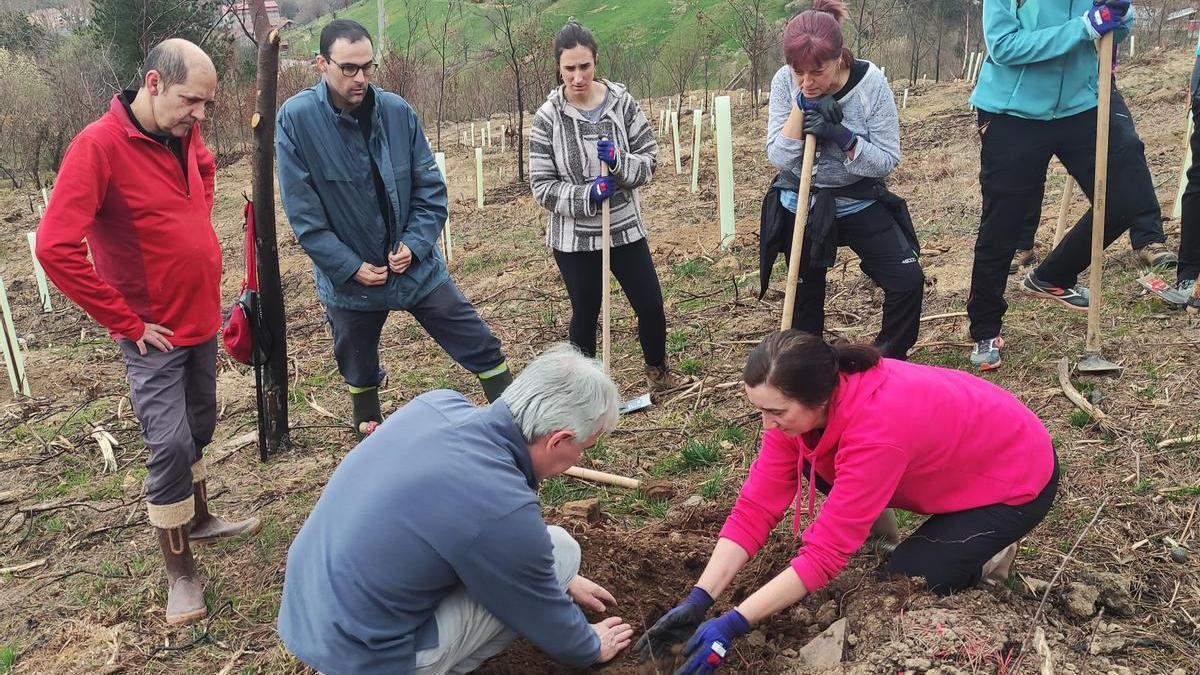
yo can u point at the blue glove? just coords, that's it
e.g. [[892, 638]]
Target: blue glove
[[607, 150], [674, 627], [823, 119], [710, 643], [1118, 7], [1100, 19], [602, 189]]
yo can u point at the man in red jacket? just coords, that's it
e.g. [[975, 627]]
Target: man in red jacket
[[137, 184]]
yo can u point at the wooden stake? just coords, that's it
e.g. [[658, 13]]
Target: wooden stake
[[13, 360], [1064, 211], [970, 67], [447, 242], [478, 177], [503, 139], [603, 477], [473, 134], [675, 141], [724, 136], [697, 128], [39, 273], [605, 263], [789, 299], [979, 59], [905, 106], [45, 197]]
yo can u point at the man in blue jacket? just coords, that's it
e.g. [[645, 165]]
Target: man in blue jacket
[[366, 200], [427, 552], [1037, 99]]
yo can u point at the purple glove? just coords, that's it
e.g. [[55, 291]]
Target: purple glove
[[602, 189], [1100, 19], [607, 150], [674, 627], [710, 643], [1118, 7]]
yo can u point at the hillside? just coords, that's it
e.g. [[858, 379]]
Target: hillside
[[645, 25]]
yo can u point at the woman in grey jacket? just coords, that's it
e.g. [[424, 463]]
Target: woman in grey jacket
[[586, 121], [849, 107]]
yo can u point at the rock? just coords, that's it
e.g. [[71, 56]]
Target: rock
[[1036, 587], [1115, 593], [658, 489], [1179, 554], [790, 653], [675, 537], [693, 501], [825, 650], [1080, 600], [1107, 640], [587, 509], [826, 613], [756, 639], [917, 664]]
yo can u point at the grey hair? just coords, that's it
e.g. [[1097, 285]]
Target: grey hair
[[562, 390], [169, 61]]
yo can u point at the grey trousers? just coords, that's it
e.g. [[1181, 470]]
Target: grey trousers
[[174, 396], [468, 634], [445, 314]]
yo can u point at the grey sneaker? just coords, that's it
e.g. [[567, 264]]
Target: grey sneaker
[[1075, 297], [1187, 288], [1022, 258], [1157, 255], [986, 354]]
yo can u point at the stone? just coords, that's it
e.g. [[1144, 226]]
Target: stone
[[658, 489], [1115, 593], [693, 501], [827, 613], [918, 664], [825, 650], [1080, 600], [1179, 554], [756, 639], [587, 509], [675, 537]]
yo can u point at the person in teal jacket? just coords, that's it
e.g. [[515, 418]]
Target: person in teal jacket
[[367, 202], [1036, 99]]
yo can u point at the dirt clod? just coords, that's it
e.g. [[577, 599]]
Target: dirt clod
[[1179, 554], [1080, 599], [586, 509]]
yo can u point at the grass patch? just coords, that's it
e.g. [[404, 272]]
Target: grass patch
[[731, 433], [696, 454], [711, 488], [689, 366], [905, 518], [677, 341], [558, 490], [1143, 487], [8, 657], [691, 269], [1079, 419]]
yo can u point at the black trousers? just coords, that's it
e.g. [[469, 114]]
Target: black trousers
[[1013, 160], [1189, 221], [1146, 227], [887, 257], [633, 267], [949, 549]]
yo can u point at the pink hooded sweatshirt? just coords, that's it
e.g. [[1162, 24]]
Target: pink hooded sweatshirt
[[924, 439]]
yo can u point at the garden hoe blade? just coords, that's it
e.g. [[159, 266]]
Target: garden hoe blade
[[635, 404], [1094, 364]]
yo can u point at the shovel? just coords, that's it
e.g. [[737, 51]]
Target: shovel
[[1093, 362]]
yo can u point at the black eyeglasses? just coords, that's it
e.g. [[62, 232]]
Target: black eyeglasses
[[351, 69]]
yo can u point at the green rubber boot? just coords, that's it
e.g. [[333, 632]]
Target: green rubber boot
[[495, 384], [366, 410]]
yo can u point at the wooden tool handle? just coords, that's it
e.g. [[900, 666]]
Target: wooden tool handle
[[603, 477], [606, 259], [1100, 193], [789, 296], [1064, 210]]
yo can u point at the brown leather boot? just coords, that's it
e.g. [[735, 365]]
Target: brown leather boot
[[207, 527], [185, 595], [661, 379]]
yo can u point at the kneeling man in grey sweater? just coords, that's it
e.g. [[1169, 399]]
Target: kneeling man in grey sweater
[[427, 552]]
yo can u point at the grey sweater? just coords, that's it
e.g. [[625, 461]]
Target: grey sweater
[[563, 163], [440, 496], [868, 110]]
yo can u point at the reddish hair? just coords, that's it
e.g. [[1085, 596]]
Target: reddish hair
[[814, 36]]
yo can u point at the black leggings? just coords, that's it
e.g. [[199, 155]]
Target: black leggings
[[949, 549], [633, 267]]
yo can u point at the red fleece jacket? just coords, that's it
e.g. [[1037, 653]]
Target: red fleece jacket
[[924, 439], [147, 225]]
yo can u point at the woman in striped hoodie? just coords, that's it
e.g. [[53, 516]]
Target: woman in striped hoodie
[[584, 122]]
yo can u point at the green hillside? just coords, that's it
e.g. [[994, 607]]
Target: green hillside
[[645, 24]]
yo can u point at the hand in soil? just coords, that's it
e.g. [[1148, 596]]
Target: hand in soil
[[672, 629], [614, 635], [589, 594]]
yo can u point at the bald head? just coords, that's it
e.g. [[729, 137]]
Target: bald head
[[174, 59]]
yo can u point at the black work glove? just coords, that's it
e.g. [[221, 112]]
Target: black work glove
[[675, 627], [824, 120]]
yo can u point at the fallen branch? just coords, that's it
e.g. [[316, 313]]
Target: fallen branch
[[1182, 440], [947, 315], [1097, 415], [23, 567]]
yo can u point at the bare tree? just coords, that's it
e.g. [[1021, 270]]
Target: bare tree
[[753, 33], [680, 61], [513, 23], [440, 34]]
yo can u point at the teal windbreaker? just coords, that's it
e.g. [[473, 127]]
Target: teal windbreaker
[[1041, 61]]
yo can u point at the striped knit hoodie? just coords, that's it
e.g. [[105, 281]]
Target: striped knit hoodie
[[563, 163]]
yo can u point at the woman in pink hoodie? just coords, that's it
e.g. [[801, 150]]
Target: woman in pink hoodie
[[871, 433]]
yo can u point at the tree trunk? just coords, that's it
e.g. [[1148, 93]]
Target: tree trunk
[[273, 434], [520, 142]]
